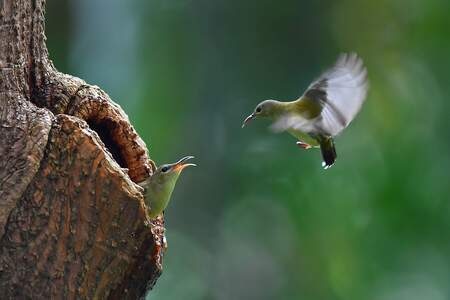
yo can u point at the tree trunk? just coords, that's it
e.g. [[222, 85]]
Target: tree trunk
[[73, 223]]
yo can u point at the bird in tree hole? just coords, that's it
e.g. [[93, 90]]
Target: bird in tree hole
[[327, 107], [159, 187]]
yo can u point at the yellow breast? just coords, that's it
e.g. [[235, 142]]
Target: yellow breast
[[303, 137]]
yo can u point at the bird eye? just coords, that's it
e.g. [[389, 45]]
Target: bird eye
[[165, 169], [258, 109]]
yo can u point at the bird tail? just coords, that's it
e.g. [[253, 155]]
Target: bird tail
[[328, 151]]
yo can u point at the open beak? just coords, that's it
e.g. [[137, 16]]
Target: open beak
[[181, 164], [248, 119]]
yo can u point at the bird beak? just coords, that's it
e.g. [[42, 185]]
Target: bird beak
[[181, 164], [248, 119]]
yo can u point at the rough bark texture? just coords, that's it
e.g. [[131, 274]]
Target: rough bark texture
[[73, 223]]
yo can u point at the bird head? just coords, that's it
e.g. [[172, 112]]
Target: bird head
[[265, 109], [168, 174]]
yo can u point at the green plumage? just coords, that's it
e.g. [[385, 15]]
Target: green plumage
[[159, 187], [325, 109]]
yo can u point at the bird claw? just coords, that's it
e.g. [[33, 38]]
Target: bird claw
[[304, 145]]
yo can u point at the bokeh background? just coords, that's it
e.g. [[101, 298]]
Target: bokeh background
[[259, 218]]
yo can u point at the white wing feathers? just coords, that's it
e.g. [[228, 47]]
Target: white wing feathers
[[341, 91], [288, 121]]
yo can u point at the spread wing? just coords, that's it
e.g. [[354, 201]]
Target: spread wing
[[340, 91]]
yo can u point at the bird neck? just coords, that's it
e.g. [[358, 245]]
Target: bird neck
[[280, 108], [159, 192]]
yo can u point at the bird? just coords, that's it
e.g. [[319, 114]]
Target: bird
[[159, 187], [324, 110]]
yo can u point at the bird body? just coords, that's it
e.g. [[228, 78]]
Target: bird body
[[159, 187], [304, 137], [301, 110], [327, 107]]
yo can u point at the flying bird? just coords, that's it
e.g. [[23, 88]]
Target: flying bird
[[159, 187], [327, 106]]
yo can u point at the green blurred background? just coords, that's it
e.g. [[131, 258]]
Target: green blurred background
[[259, 218]]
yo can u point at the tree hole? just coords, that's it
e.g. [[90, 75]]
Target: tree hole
[[105, 130]]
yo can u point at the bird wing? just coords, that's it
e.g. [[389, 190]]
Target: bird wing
[[340, 91]]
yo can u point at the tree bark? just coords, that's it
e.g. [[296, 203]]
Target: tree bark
[[73, 223]]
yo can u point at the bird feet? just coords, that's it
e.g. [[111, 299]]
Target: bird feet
[[304, 145]]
